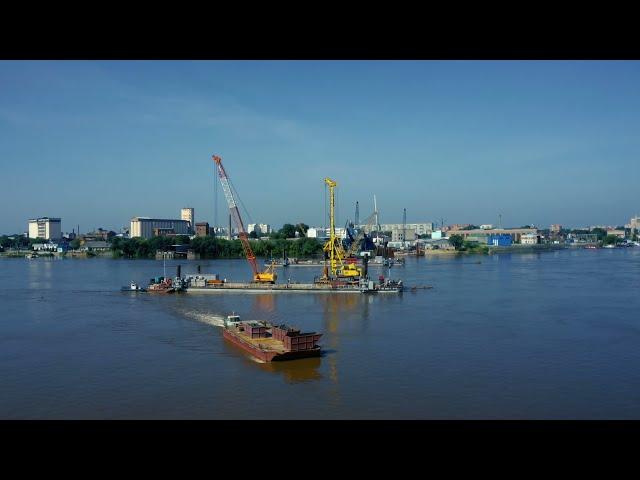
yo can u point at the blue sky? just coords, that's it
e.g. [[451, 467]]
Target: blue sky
[[97, 142]]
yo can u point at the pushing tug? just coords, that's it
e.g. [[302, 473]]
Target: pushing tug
[[271, 343], [133, 287]]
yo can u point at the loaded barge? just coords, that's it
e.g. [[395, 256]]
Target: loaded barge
[[270, 343]]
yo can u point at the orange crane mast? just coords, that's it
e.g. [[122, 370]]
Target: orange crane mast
[[268, 276]]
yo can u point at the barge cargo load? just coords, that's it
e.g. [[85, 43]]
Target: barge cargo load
[[270, 343]]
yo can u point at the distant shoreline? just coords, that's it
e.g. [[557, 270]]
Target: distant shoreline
[[492, 250]]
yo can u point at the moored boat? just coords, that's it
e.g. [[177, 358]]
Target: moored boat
[[161, 285]]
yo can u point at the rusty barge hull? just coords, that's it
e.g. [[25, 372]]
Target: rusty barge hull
[[268, 355]]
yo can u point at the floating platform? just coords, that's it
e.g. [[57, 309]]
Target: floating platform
[[278, 288], [228, 287]]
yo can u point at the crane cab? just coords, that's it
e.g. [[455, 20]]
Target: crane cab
[[350, 270], [265, 277]]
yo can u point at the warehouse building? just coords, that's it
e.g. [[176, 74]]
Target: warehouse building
[[146, 227], [515, 233]]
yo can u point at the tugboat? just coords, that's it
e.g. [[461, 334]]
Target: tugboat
[[133, 287], [270, 343]]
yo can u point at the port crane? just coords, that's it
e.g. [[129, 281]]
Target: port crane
[[353, 248], [333, 247], [269, 275]]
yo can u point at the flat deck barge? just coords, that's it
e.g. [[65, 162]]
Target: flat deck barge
[[294, 287]]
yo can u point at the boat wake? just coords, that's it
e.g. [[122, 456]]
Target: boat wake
[[209, 319]]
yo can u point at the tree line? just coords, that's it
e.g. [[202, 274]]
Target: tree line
[[214, 247]]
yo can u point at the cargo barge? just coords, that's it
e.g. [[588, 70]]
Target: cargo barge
[[271, 343]]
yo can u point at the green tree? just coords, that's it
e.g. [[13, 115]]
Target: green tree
[[600, 232], [288, 231], [457, 241], [75, 243], [610, 240], [302, 229]]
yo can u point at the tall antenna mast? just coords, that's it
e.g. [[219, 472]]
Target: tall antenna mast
[[375, 210], [357, 219]]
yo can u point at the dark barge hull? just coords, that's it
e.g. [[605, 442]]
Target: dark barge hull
[[268, 355]]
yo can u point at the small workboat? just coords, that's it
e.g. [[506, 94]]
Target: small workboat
[[133, 287], [164, 285]]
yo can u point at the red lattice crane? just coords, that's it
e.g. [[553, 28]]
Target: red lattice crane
[[268, 276]]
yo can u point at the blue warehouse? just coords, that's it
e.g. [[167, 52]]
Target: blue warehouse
[[499, 240]]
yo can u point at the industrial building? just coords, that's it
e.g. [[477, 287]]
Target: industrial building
[[202, 229], [515, 233], [323, 233], [403, 235], [616, 233], [46, 228], [424, 228], [146, 227], [188, 214], [530, 239], [316, 232], [499, 240], [259, 228]]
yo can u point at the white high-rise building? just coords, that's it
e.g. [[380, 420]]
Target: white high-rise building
[[259, 228], [46, 228]]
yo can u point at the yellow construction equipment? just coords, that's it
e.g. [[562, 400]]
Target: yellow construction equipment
[[333, 247]]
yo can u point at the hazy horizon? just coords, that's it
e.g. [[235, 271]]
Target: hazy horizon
[[539, 142]]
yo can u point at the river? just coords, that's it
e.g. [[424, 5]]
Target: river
[[551, 335]]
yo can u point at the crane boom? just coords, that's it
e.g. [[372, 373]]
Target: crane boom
[[268, 276]]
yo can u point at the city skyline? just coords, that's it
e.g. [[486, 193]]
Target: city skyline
[[97, 143]]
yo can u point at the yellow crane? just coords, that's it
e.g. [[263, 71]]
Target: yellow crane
[[333, 247]]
